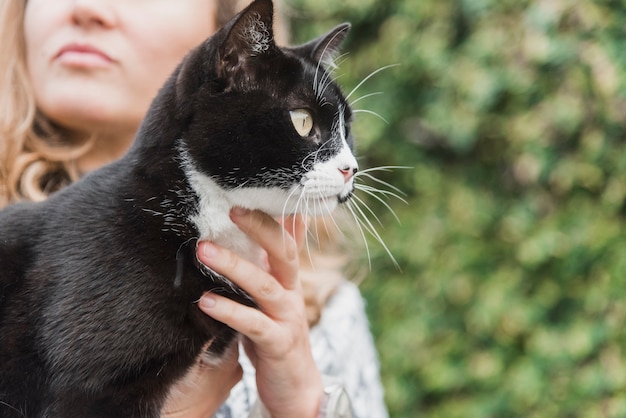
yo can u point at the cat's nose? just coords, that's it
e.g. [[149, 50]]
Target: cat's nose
[[348, 172]]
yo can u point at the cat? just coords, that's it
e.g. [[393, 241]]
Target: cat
[[99, 283]]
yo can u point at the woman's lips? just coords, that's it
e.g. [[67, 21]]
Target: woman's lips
[[83, 56]]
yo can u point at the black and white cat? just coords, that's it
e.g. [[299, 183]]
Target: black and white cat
[[98, 283]]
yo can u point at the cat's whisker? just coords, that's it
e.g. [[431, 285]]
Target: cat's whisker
[[362, 213], [334, 225], [337, 227], [371, 212], [313, 155], [371, 112], [365, 97], [2, 403], [301, 207], [349, 206], [327, 57], [242, 185], [317, 209], [339, 60], [325, 223], [385, 204], [372, 230], [284, 211], [385, 168], [308, 243], [326, 81], [366, 173], [372, 74], [321, 86], [375, 192], [289, 196]]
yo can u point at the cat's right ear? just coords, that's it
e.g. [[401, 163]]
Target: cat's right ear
[[250, 36], [245, 37]]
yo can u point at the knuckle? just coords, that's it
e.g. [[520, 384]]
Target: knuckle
[[299, 314], [268, 287], [259, 223], [291, 250], [255, 220], [230, 261], [265, 221], [232, 312], [256, 328]]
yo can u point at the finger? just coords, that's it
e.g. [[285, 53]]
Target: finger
[[260, 285], [248, 321], [204, 387], [296, 227], [265, 231], [281, 247]]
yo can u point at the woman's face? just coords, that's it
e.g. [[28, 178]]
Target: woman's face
[[95, 65]]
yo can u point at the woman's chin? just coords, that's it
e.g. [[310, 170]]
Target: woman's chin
[[90, 116]]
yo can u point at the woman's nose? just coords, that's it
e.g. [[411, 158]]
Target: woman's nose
[[93, 13]]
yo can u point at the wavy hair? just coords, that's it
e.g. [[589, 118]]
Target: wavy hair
[[37, 157]]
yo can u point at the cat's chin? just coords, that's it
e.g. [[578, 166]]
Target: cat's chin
[[278, 202], [321, 206], [318, 206]]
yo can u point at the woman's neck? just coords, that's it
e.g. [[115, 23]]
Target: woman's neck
[[107, 147]]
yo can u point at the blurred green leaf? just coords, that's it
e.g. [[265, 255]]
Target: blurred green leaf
[[511, 298]]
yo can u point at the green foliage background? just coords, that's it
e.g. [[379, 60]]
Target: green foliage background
[[511, 299]]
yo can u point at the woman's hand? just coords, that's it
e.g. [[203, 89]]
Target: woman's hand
[[204, 388], [277, 334]]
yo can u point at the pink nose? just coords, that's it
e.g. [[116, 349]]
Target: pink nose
[[348, 172]]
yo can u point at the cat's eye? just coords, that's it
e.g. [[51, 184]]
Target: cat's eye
[[302, 121]]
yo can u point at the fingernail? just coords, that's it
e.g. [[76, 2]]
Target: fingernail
[[207, 301], [209, 250], [238, 211]]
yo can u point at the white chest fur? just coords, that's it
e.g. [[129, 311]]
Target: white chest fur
[[213, 218]]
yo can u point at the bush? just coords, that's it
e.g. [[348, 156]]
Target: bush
[[511, 299]]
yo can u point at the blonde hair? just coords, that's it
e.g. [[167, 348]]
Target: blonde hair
[[34, 158], [38, 157]]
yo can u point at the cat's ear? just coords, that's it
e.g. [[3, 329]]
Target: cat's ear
[[250, 36], [325, 49]]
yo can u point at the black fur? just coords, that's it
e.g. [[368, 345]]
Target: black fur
[[98, 283]]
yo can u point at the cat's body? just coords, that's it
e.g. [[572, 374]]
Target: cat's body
[[98, 283]]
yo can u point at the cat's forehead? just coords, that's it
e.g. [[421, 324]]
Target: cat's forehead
[[311, 81]]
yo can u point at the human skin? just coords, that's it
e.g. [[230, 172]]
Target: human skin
[[95, 66], [277, 341]]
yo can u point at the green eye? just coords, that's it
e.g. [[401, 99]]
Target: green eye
[[302, 121]]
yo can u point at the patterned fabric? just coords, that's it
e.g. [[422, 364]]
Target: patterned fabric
[[342, 347]]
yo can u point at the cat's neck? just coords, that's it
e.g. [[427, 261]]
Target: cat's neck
[[213, 222]]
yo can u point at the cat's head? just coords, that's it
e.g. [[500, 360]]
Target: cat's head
[[266, 125]]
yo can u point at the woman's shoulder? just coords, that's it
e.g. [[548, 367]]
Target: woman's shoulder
[[343, 348], [343, 317]]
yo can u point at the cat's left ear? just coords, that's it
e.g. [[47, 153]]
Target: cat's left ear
[[325, 49], [250, 36]]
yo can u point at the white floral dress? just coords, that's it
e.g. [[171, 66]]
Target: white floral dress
[[343, 348]]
